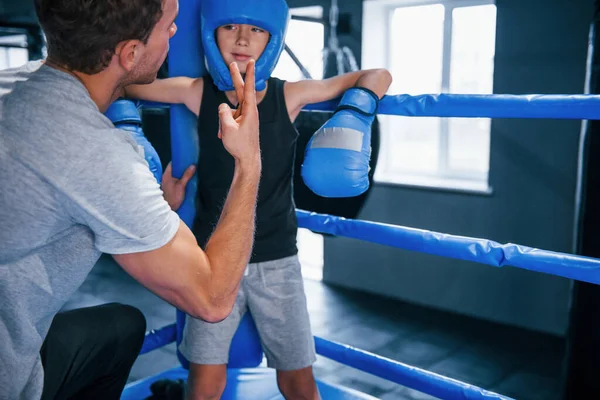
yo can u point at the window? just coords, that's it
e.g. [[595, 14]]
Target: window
[[306, 39], [438, 46], [13, 50]]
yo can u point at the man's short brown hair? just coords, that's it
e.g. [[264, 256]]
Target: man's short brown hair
[[82, 34]]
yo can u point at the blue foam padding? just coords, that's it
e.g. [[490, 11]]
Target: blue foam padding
[[186, 58], [406, 375], [484, 106], [463, 248], [246, 350], [246, 384]]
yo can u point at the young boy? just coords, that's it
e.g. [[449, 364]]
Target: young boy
[[237, 31]]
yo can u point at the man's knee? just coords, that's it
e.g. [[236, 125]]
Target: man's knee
[[130, 324], [134, 318]]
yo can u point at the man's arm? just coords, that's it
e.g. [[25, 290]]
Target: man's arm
[[178, 90], [205, 284], [299, 94]]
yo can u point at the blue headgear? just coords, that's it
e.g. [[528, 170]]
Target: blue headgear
[[270, 15]]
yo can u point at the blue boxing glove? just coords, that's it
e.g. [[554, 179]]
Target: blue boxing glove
[[124, 114], [336, 159]]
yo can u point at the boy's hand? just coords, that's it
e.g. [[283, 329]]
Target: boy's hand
[[239, 130], [336, 159], [173, 188]]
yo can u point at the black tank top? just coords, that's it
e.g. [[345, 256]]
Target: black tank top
[[276, 224]]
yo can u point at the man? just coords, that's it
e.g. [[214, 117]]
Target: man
[[73, 187]]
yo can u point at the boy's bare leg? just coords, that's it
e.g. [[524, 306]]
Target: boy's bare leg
[[298, 385], [206, 382]]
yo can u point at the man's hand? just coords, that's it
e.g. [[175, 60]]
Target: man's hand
[[239, 130], [173, 188]]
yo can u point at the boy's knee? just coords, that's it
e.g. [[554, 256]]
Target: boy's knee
[[205, 386], [205, 390], [298, 386]]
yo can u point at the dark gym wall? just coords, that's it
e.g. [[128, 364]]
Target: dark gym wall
[[541, 48], [19, 12], [21, 15]]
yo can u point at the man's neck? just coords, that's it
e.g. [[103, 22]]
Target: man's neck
[[103, 89]]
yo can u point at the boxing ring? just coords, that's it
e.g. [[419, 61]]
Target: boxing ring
[[245, 378], [246, 354]]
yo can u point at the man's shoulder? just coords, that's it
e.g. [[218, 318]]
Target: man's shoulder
[[38, 103], [37, 84], [55, 135]]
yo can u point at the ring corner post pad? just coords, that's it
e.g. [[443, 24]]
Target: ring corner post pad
[[186, 58]]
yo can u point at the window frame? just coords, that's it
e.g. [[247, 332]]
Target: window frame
[[445, 178], [311, 14]]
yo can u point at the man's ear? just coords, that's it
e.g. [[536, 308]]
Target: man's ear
[[128, 53]]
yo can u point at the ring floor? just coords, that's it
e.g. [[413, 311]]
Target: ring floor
[[514, 362]]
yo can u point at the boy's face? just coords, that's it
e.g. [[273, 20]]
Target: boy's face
[[240, 43]]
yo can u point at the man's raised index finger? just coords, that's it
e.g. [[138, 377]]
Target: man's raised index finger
[[238, 82], [249, 86]]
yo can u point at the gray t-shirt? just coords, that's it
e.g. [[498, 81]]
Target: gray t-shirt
[[71, 187]]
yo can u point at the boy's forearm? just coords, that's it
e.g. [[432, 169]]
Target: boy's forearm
[[168, 90], [134, 92], [140, 92]]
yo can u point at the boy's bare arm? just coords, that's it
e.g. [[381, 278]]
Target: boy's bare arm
[[299, 94], [177, 90]]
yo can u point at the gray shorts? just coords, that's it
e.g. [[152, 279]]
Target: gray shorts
[[273, 292]]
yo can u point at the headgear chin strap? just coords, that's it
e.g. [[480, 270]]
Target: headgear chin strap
[[270, 15]]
